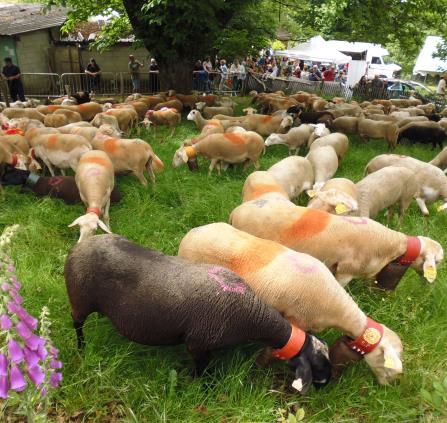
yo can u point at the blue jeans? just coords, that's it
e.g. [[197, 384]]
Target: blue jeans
[[136, 83]]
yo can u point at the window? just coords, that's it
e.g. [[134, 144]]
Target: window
[[376, 61]]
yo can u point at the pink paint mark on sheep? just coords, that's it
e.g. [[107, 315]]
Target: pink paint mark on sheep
[[55, 180], [301, 265], [356, 220], [93, 172], [227, 281]]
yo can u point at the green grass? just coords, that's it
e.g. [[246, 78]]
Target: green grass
[[134, 383]]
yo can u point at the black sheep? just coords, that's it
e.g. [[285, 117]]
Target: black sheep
[[423, 134], [314, 117], [63, 187], [154, 299]]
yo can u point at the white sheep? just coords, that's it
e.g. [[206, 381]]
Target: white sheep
[[295, 138], [324, 161]]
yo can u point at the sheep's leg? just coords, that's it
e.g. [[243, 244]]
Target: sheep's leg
[[403, 208], [390, 213], [256, 164], [212, 166], [172, 132], [422, 206], [78, 325], [106, 212], [201, 361], [343, 278], [62, 172], [141, 177], [49, 166], [445, 170]]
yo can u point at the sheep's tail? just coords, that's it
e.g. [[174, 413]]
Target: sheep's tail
[[157, 163]]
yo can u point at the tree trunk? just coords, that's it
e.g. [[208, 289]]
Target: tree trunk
[[176, 74]]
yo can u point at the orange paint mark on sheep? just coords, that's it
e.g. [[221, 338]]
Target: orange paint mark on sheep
[[214, 122], [234, 138], [267, 119], [101, 161], [53, 107], [311, 223], [111, 145], [83, 106], [52, 141], [262, 189], [257, 254]]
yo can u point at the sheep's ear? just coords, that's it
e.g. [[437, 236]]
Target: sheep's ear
[[392, 360], [444, 206], [311, 193], [303, 375], [184, 155], [75, 222], [430, 268], [103, 226]]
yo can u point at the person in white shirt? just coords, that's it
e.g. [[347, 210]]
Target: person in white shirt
[[442, 86], [223, 74]]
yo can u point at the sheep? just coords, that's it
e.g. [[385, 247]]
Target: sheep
[[263, 184], [242, 147], [13, 159], [345, 124], [25, 123], [324, 163], [171, 104], [339, 142], [132, 155], [105, 119], [303, 97], [406, 121], [51, 108], [265, 125], [297, 285], [443, 124], [274, 104], [87, 110], [413, 111], [226, 102], [140, 107], [95, 180], [127, 118], [386, 118], [379, 130], [188, 100], [18, 141], [315, 117], [319, 105], [152, 100], [201, 123], [71, 116], [428, 109], [237, 315], [210, 112], [168, 117], [431, 180], [62, 151], [351, 247], [32, 133], [387, 104], [236, 129], [440, 160], [336, 196], [133, 97], [249, 111], [294, 139], [55, 121], [383, 189], [319, 130], [294, 174], [424, 132], [12, 113], [400, 115]]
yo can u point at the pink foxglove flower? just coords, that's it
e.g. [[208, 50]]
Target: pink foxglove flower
[[23, 330], [31, 357], [5, 322], [15, 351], [55, 379], [3, 365], [42, 352], [55, 364], [36, 375], [18, 382], [5, 287], [4, 386], [34, 341]]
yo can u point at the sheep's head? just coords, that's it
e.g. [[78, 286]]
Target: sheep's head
[[287, 122], [182, 155], [430, 256], [385, 360], [88, 223], [107, 106], [200, 105], [311, 365], [273, 139], [250, 111], [334, 201], [193, 114], [319, 129]]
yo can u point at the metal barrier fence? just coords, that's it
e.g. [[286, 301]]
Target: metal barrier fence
[[216, 82], [41, 84], [102, 84]]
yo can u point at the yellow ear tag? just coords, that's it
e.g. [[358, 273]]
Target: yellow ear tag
[[430, 273], [440, 208], [340, 208], [389, 362], [311, 193]]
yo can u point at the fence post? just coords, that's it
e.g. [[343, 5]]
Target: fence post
[[122, 86], [5, 91]]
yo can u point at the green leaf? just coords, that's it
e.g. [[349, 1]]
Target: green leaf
[[291, 419], [426, 395], [438, 386], [300, 414], [437, 400], [444, 382]]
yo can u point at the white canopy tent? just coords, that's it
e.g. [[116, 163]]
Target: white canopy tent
[[317, 50], [426, 63]]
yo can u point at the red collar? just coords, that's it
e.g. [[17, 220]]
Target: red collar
[[14, 131], [413, 251], [293, 346], [95, 210], [369, 339], [15, 159]]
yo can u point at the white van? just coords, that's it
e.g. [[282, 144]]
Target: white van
[[373, 58]]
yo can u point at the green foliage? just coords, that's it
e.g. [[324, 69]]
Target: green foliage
[[436, 398]]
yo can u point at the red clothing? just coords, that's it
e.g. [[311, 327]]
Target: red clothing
[[329, 75]]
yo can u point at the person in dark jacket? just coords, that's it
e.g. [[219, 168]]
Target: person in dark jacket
[[154, 80], [93, 72], [12, 74]]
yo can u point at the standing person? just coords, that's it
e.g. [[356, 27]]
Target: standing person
[[329, 74], [234, 73], [441, 89], [196, 74], [377, 87], [11, 73], [208, 68], [154, 80], [93, 72], [134, 69], [241, 75], [223, 74]]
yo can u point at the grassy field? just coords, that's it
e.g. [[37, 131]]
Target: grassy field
[[116, 380]]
